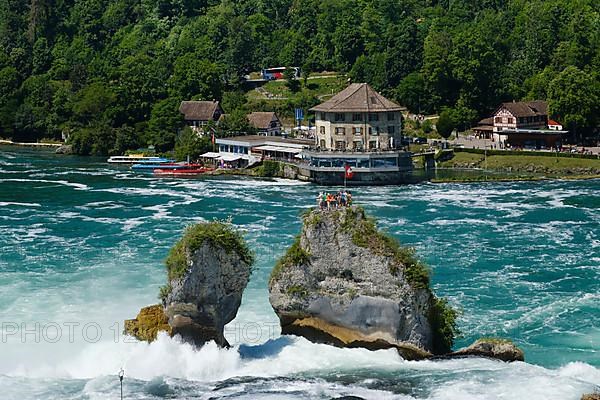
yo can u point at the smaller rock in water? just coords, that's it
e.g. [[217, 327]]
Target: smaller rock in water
[[208, 270], [148, 323], [64, 149], [500, 349]]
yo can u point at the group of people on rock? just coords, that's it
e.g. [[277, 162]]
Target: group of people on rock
[[332, 201]]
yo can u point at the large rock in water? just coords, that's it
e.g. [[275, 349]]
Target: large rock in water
[[208, 270], [345, 283]]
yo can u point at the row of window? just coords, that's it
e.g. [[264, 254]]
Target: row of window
[[358, 130], [227, 148], [522, 120], [356, 145], [360, 163], [356, 117], [536, 118]]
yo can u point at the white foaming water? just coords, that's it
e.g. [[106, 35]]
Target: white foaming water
[[77, 186], [7, 203], [290, 356]]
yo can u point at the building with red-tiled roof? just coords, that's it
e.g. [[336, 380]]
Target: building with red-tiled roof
[[555, 126], [524, 124]]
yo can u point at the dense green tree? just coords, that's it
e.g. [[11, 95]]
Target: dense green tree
[[291, 82], [574, 99], [190, 144], [235, 100], [94, 103], [445, 124], [235, 123], [412, 93], [165, 122], [196, 78], [437, 69]]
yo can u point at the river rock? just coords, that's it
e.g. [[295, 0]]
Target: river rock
[[208, 270], [500, 349], [148, 323], [591, 396], [344, 283], [64, 149]]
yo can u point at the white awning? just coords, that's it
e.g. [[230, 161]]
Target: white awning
[[265, 147], [279, 149], [210, 154], [229, 157]]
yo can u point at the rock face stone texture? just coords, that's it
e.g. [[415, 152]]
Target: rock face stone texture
[[148, 323], [208, 295], [498, 349], [591, 396], [208, 270], [343, 283]]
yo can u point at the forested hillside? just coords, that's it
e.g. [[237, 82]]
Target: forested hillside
[[112, 72]]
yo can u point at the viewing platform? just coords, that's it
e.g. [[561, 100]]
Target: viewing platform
[[367, 167]]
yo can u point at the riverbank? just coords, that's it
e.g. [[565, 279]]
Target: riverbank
[[464, 167], [467, 166], [24, 144], [459, 174]]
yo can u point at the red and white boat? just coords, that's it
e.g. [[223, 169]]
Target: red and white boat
[[187, 170]]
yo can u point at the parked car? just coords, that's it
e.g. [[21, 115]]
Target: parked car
[[420, 140]]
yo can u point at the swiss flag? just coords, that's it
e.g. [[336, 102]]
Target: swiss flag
[[349, 172]]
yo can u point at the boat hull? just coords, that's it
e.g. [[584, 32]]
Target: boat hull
[[182, 172]]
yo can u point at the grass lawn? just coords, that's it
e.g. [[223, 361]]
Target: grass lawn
[[322, 87], [525, 163], [462, 160], [550, 164]]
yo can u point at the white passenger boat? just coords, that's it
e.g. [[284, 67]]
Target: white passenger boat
[[138, 159]]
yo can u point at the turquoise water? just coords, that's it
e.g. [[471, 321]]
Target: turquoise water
[[82, 249]]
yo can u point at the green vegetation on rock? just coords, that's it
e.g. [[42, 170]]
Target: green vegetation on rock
[[495, 340], [442, 318], [269, 168], [164, 292], [365, 234], [295, 255], [298, 291], [220, 234], [311, 218]]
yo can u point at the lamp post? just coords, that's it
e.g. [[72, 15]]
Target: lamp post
[[121, 375]]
